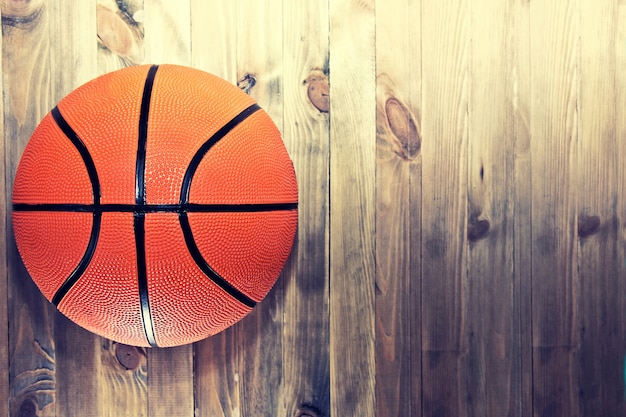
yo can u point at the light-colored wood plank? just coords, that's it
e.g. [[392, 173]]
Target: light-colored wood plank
[[445, 89], [492, 363], [259, 336], [73, 61], [352, 197], [306, 364], [26, 65], [398, 209], [518, 67], [120, 34], [553, 126], [167, 32], [601, 294], [214, 37]]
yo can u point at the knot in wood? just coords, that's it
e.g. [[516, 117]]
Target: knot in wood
[[307, 410], [406, 137], [246, 83], [128, 356], [477, 230], [587, 225], [319, 93], [27, 409]]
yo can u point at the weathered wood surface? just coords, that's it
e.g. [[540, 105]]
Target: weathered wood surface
[[462, 222]]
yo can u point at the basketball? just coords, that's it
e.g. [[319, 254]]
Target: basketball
[[155, 205]]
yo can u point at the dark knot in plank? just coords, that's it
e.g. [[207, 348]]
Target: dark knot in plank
[[587, 225]]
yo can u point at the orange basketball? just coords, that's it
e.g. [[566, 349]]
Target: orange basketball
[[155, 205]]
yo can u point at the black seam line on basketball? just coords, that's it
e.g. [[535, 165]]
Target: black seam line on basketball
[[206, 146], [82, 265], [140, 199], [156, 208], [184, 200], [142, 274], [206, 268]]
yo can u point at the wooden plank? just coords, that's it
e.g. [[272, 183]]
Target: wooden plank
[[73, 61], [305, 377], [213, 37], [120, 34], [124, 380], [398, 209], [216, 364], [620, 131], [519, 69], [493, 371], [445, 77], [620, 206], [601, 295], [167, 32], [26, 65], [553, 126], [259, 336], [170, 384], [4, 277], [123, 369], [352, 196]]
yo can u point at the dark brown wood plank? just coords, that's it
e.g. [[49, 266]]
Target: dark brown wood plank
[[553, 125], [26, 65], [398, 209], [445, 89], [352, 207], [493, 371], [306, 366], [601, 293]]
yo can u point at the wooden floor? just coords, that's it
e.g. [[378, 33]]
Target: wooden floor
[[462, 233]]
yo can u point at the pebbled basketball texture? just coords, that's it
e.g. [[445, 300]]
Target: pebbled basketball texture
[[155, 205]]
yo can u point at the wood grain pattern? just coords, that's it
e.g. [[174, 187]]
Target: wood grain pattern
[[216, 363], [620, 130], [26, 65], [76, 350], [602, 343], [259, 63], [352, 184], [445, 82], [4, 278], [519, 68], [462, 243], [305, 380], [553, 126], [493, 372], [398, 215]]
